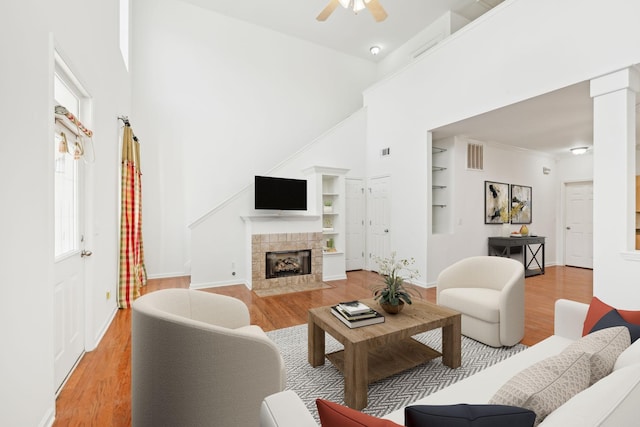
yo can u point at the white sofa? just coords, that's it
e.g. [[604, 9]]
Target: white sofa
[[611, 402]]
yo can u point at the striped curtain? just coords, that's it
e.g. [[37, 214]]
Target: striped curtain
[[133, 274]]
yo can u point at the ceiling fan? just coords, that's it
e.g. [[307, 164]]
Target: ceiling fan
[[374, 7]]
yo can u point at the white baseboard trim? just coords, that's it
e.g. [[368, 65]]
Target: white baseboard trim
[[101, 332], [336, 277], [207, 285], [167, 275], [49, 416]]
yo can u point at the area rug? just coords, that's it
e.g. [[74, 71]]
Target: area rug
[[386, 395]]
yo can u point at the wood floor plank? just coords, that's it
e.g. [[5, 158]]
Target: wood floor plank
[[98, 392]]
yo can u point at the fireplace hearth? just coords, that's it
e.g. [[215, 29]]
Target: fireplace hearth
[[287, 263]]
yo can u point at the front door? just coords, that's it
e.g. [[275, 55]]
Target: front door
[[69, 251], [579, 224]]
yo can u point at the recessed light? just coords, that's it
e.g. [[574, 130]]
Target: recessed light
[[579, 150], [375, 50]]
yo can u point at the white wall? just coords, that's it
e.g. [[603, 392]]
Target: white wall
[[478, 69], [218, 240], [216, 101], [442, 28], [86, 35], [469, 235]]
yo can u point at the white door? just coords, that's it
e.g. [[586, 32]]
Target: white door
[[69, 252], [579, 224], [355, 213], [379, 214]]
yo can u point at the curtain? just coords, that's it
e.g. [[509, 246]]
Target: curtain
[[133, 274]]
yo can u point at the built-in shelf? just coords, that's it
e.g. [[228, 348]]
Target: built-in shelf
[[441, 181], [439, 206], [436, 150], [438, 168], [438, 187], [332, 253]]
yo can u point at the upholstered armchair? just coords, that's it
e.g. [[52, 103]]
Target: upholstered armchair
[[196, 361], [489, 292]]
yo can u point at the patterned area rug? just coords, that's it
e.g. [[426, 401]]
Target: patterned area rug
[[386, 395]]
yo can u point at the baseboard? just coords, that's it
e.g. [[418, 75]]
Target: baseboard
[[336, 277], [167, 275], [207, 285], [102, 331], [49, 417]]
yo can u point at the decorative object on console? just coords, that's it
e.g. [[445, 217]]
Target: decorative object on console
[[392, 294]]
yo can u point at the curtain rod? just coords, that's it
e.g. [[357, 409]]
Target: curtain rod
[[62, 111], [125, 120]]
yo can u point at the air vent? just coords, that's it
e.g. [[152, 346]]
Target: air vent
[[385, 152], [475, 156]]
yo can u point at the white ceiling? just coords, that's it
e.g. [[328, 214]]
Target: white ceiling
[[345, 31], [551, 123]]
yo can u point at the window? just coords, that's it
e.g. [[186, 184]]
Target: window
[[67, 170]]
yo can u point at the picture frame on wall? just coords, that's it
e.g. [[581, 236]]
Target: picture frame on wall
[[521, 204], [496, 202]]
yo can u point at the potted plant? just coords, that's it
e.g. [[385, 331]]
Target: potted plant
[[392, 294], [328, 206]]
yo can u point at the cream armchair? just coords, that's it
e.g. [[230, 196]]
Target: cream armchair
[[196, 361], [489, 292]]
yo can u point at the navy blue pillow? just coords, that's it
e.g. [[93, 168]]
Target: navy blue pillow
[[613, 319], [464, 415]]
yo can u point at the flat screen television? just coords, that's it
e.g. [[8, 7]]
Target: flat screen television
[[280, 193]]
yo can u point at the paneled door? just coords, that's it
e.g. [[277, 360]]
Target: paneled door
[[578, 234], [69, 221], [379, 214], [355, 229]]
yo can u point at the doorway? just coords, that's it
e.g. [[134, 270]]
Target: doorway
[[354, 224], [578, 224], [379, 214], [69, 225]]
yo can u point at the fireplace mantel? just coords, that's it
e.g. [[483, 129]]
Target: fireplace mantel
[[279, 217]]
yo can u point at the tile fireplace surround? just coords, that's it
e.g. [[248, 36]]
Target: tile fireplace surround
[[263, 243]]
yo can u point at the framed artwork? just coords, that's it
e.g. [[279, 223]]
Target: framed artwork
[[496, 202], [520, 204]]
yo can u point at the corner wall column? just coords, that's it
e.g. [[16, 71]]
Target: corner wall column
[[614, 169]]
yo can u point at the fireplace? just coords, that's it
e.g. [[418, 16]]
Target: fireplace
[[287, 263], [281, 244]]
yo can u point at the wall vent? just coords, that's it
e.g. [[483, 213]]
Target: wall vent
[[385, 152], [475, 156]]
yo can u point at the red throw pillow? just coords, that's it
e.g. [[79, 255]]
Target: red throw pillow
[[335, 415], [597, 309]]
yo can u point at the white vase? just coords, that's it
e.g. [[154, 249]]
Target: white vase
[[506, 231]]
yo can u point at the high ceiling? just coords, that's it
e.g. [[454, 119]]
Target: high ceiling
[[551, 123], [345, 31]]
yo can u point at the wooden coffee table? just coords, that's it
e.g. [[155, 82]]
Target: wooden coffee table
[[379, 351]]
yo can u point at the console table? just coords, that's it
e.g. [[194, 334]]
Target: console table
[[532, 248]]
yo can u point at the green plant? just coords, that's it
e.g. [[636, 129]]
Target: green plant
[[328, 202], [392, 290]]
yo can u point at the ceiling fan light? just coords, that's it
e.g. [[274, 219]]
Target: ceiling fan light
[[358, 5], [355, 5], [578, 150]]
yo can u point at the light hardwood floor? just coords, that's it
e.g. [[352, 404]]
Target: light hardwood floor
[[99, 390]]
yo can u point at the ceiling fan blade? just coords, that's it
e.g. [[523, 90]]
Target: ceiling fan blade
[[376, 10], [328, 10]]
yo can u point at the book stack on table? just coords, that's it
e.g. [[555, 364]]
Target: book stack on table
[[355, 314]]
